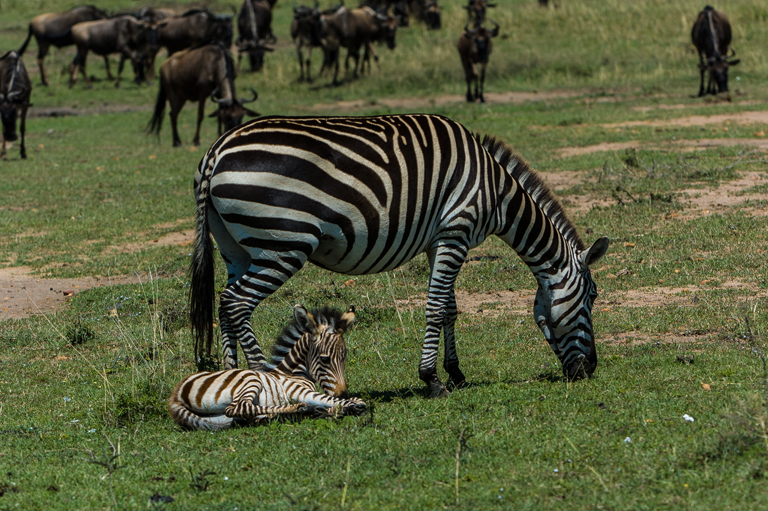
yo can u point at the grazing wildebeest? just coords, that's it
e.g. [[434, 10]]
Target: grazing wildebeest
[[475, 47], [353, 29], [194, 75], [15, 90], [254, 23], [124, 35], [55, 28], [711, 34]]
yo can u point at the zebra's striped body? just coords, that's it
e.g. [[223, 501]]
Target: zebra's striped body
[[365, 195], [310, 351]]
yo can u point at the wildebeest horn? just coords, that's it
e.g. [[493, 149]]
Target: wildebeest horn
[[255, 96], [13, 94]]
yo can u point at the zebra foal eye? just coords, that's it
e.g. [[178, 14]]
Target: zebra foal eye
[[325, 359]]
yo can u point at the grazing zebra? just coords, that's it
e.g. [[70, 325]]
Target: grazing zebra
[[311, 350], [365, 195]]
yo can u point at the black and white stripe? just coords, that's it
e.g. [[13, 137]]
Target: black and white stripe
[[310, 351], [367, 194]]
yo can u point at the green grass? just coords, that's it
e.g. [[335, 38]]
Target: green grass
[[83, 423]]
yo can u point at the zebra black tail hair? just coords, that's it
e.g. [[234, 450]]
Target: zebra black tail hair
[[157, 116], [26, 42], [201, 292]]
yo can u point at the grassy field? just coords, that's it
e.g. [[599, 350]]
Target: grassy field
[[680, 321]]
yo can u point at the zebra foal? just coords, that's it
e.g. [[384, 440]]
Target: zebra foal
[[365, 195], [311, 350]]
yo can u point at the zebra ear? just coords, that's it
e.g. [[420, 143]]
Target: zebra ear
[[304, 319], [346, 320], [595, 252]]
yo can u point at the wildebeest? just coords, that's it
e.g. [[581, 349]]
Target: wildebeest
[[353, 29], [194, 75], [306, 33], [15, 90], [428, 12], [254, 24], [711, 34], [54, 28], [124, 35], [476, 10], [195, 27], [475, 47]]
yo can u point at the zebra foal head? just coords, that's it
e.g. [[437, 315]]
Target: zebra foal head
[[563, 312], [326, 354]]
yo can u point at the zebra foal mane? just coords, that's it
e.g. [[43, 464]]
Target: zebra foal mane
[[294, 331], [532, 183]]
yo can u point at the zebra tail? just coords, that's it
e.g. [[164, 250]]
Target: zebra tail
[[202, 273], [157, 116], [188, 419], [26, 42]]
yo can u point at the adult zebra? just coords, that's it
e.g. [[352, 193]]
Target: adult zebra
[[360, 195]]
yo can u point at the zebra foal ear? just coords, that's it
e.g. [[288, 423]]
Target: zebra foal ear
[[593, 254], [304, 319], [346, 320]]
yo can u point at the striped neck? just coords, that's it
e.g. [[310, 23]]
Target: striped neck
[[293, 364], [530, 218]]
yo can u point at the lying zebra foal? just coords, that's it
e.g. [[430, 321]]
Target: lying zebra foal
[[310, 350]]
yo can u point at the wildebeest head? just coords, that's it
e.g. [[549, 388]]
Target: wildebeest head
[[433, 16], [481, 40], [718, 70], [230, 112], [8, 113], [388, 29]]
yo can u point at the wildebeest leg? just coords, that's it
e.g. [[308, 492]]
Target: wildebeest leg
[[300, 54], [307, 62], [176, 105], [200, 115], [479, 93], [702, 69], [3, 155], [23, 129], [120, 65], [106, 65], [42, 51]]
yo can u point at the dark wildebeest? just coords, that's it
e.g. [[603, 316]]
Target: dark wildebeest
[[306, 33], [54, 28], [124, 35], [353, 29], [476, 10], [475, 47], [254, 23], [15, 90], [711, 35], [194, 75]]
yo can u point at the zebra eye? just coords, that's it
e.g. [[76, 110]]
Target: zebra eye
[[325, 359]]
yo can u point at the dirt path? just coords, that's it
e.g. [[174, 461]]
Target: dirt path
[[447, 99]]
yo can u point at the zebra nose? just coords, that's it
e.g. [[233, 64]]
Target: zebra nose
[[580, 368], [341, 391]]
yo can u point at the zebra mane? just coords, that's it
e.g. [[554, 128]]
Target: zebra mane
[[536, 188], [293, 332]]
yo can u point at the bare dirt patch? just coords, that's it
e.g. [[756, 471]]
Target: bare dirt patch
[[106, 108], [754, 117], [678, 145], [23, 294], [447, 99]]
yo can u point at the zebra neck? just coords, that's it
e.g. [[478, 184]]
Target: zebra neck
[[294, 363]]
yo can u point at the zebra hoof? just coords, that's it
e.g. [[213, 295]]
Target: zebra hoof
[[438, 391]]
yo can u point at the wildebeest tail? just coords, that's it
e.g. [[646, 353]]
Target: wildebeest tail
[[157, 116], [26, 42], [202, 273]]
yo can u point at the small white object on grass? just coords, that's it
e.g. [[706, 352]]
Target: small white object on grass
[[688, 417]]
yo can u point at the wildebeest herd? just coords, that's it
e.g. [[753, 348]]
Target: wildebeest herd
[[269, 215]]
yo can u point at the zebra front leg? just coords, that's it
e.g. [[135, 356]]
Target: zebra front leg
[[445, 263]]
